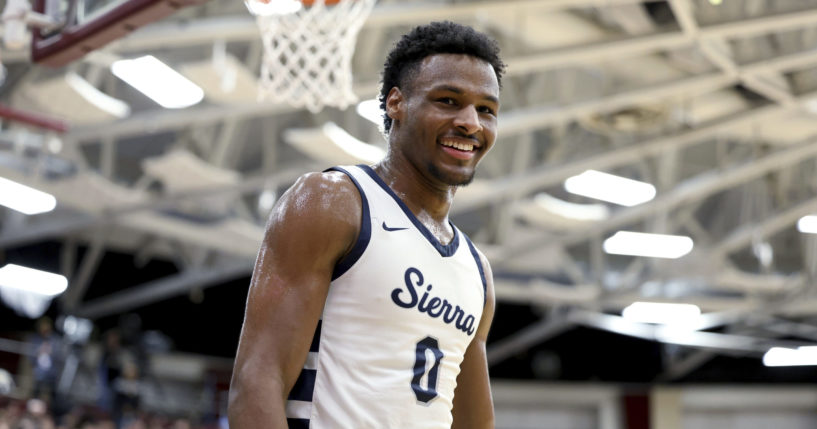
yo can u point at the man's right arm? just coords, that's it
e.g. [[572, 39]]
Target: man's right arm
[[312, 226]]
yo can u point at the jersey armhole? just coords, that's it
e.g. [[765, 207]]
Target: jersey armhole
[[481, 269], [365, 230]]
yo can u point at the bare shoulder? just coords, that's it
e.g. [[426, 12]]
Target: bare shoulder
[[323, 205], [318, 194], [326, 180]]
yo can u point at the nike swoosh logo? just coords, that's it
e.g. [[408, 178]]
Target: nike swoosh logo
[[392, 229]]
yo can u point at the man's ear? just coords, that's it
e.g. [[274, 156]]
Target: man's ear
[[395, 104]]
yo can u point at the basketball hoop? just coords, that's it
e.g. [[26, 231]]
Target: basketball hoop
[[16, 19], [308, 47]]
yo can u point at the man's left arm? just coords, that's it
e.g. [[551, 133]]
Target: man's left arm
[[473, 404]]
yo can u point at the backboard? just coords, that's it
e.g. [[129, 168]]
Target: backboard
[[91, 24]]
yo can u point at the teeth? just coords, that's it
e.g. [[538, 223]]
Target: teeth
[[460, 146]]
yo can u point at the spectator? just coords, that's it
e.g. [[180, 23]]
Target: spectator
[[113, 357], [46, 361], [127, 391], [36, 416]]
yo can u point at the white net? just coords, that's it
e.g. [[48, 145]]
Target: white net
[[308, 53]]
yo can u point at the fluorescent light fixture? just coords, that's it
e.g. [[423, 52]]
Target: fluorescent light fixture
[[581, 212], [96, 98], [811, 105], [331, 144], [352, 146], [370, 110], [807, 224], [158, 81], [76, 329], [610, 188], [650, 245], [31, 280], [663, 313], [272, 7], [24, 199], [265, 201], [781, 356]]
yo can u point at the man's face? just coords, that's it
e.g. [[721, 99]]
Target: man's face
[[447, 120]]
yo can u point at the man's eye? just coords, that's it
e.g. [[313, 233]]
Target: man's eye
[[446, 100], [487, 110]]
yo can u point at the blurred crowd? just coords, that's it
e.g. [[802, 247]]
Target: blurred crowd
[[120, 373], [34, 414]]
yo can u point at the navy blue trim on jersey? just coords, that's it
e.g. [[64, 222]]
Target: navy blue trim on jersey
[[365, 231], [298, 423], [304, 386], [445, 250], [481, 269], [316, 339]]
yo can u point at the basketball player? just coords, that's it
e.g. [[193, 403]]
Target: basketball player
[[367, 307]]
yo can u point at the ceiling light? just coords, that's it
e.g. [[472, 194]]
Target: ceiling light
[[76, 329], [351, 145], [96, 98], [582, 212], [31, 280], [158, 81], [24, 199], [650, 245], [807, 224], [663, 313], [71, 98], [333, 145], [28, 291], [781, 356], [274, 7], [224, 78], [610, 188], [265, 202], [370, 109]]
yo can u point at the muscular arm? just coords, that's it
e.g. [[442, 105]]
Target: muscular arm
[[473, 405], [312, 226]]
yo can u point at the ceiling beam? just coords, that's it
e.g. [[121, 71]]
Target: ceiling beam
[[703, 186], [757, 26], [515, 122], [87, 269], [694, 189], [61, 224], [518, 185], [526, 119], [743, 235], [666, 334], [719, 53], [53, 225], [525, 338], [164, 288], [243, 27]]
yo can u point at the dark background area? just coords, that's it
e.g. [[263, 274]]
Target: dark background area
[[208, 322]]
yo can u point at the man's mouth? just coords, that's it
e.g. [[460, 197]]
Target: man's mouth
[[459, 148], [465, 147]]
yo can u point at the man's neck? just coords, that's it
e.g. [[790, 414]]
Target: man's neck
[[424, 197]]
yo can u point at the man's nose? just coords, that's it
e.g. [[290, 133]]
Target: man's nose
[[467, 120]]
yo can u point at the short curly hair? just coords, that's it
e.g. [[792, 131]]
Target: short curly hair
[[443, 37]]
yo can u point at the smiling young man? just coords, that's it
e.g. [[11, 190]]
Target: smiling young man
[[368, 308]]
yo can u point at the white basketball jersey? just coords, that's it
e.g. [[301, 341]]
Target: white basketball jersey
[[402, 308]]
